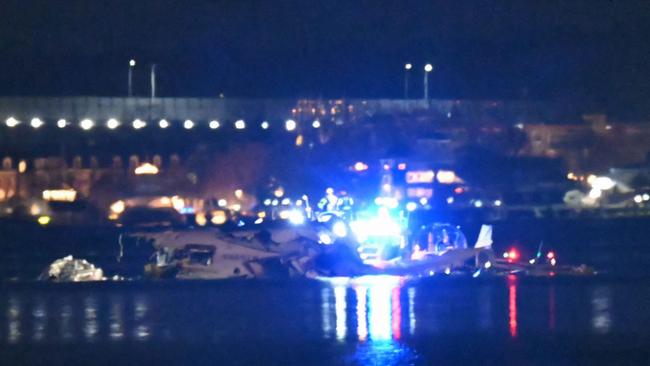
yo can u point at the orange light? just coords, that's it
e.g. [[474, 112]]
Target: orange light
[[420, 176]]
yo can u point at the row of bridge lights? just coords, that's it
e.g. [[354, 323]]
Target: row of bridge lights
[[87, 124]]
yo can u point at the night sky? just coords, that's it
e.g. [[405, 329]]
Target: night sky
[[482, 49]]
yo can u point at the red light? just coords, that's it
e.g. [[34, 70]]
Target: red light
[[513, 254], [458, 190], [550, 255]]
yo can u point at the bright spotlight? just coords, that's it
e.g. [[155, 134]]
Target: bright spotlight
[[603, 183], [214, 124], [131, 62], [408, 66], [296, 217], [428, 67], [163, 123], [240, 124], [316, 124], [265, 125], [339, 229], [86, 124], [188, 124], [112, 123], [12, 122], [138, 124], [290, 125], [61, 123]]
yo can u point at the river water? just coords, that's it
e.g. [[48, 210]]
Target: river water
[[364, 321]]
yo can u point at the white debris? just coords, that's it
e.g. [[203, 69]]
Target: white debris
[[68, 269]]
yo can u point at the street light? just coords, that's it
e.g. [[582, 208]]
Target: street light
[[427, 69], [214, 124], [86, 124], [36, 122], [240, 124], [265, 125], [138, 124], [12, 122], [62, 123], [112, 123], [188, 124], [407, 68], [290, 125], [131, 66]]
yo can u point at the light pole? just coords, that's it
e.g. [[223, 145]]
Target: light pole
[[153, 82], [427, 69], [407, 68], [130, 82]]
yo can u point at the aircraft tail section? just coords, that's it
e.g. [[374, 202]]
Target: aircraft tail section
[[484, 240]]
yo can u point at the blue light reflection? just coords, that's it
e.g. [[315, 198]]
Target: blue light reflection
[[376, 306]]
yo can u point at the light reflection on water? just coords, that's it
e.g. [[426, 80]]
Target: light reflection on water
[[66, 320], [40, 320], [601, 319], [91, 326], [142, 330], [377, 315], [340, 306], [326, 311], [362, 320], [13, 317], [411, 302], [116, 318], [60, 319], [512, 305]]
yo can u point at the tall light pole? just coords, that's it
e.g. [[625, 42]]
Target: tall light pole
[[153, 82], [427, 69], [130, 82], [407, 68]]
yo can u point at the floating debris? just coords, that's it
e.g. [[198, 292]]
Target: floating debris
[[68, 269]]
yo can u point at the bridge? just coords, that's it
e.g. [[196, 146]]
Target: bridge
[[99, 110]]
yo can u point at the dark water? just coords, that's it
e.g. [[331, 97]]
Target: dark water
[[366, 321], [369, 321]]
